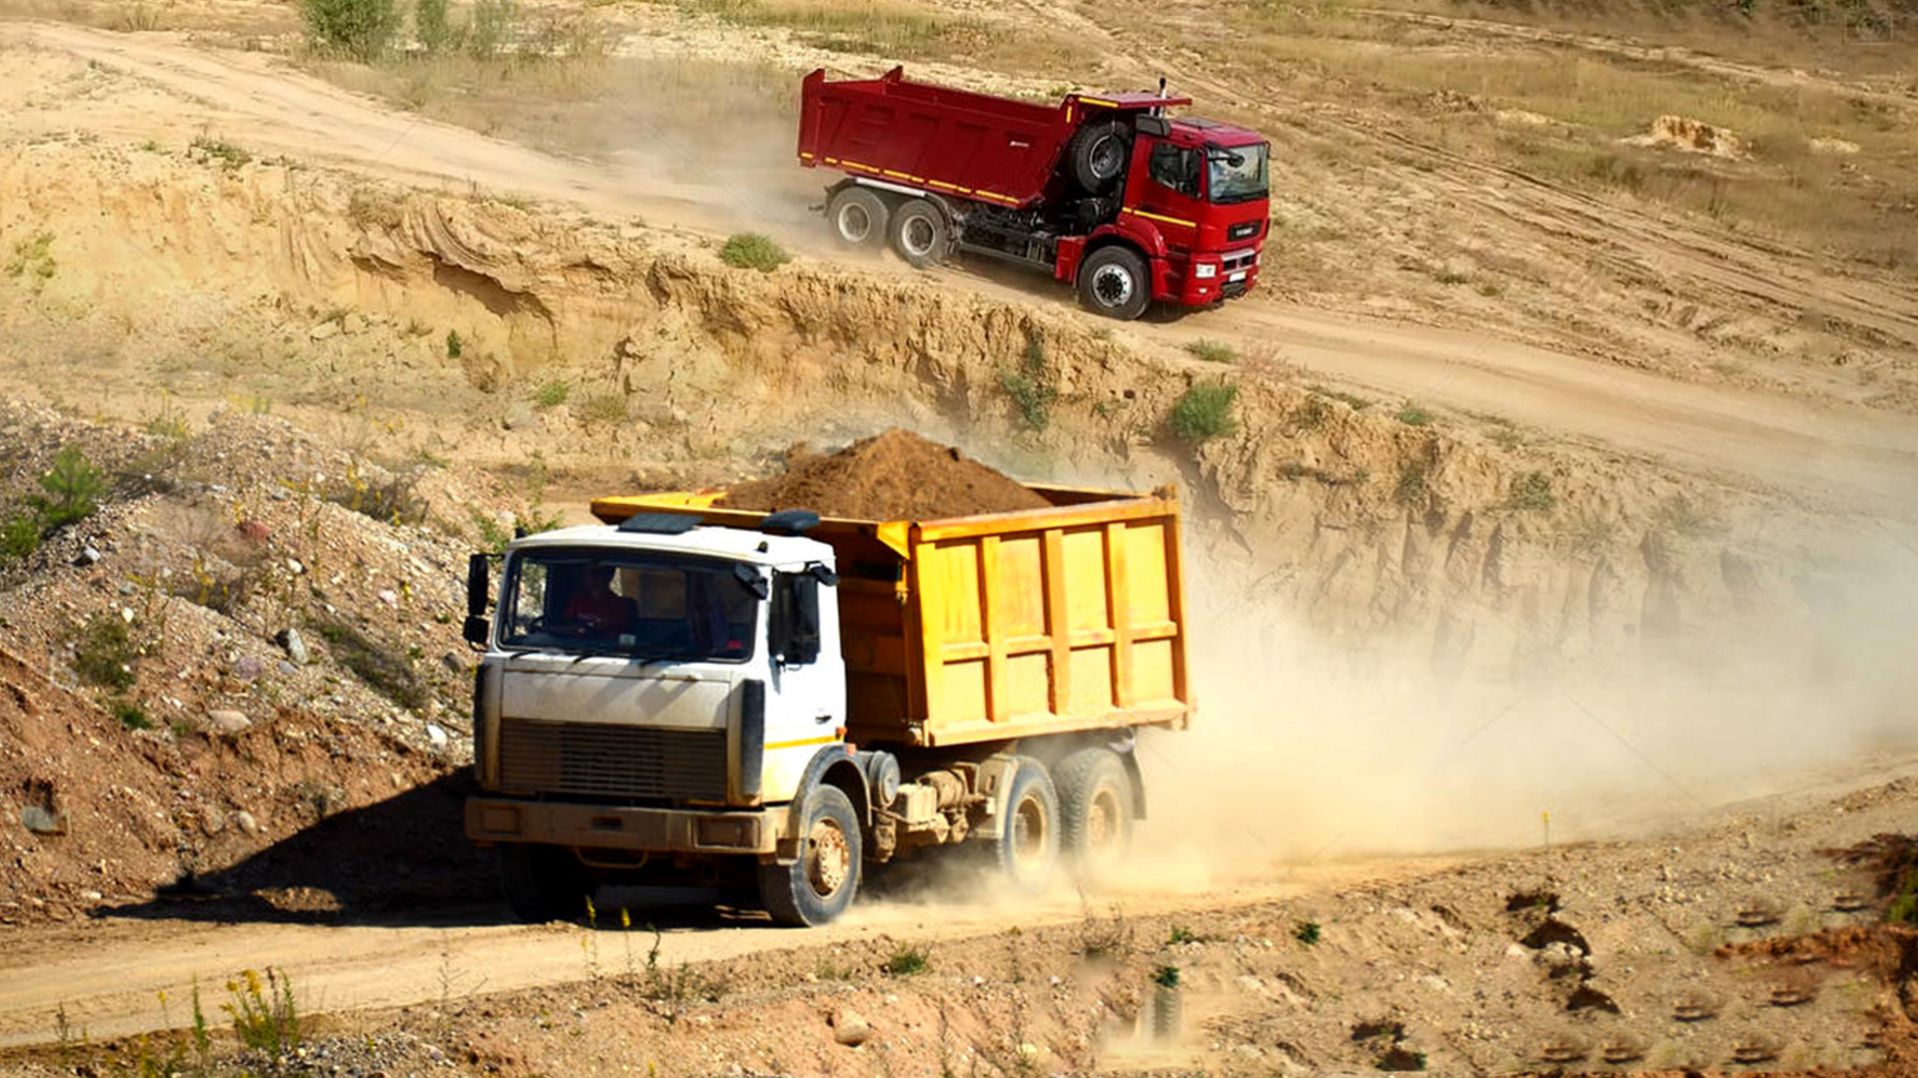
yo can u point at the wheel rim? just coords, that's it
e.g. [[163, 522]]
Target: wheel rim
[[855, 224], [1105, 158], [1104, 823], [1029, 825], [1111, 286], [828, 858], [917, 236]]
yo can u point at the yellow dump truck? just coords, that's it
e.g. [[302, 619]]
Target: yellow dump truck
[[689, 693]]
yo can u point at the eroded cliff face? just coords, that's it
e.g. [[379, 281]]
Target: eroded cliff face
[[1434, 543]]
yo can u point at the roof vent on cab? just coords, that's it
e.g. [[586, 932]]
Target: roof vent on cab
[[789, 522], [659, 523]]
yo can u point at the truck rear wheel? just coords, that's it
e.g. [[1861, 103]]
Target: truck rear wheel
[[1095, 811], [543, 883], [818, 887], [1098, 153], [858, 217], [919, 233], [1028, 846], [1113, 282]]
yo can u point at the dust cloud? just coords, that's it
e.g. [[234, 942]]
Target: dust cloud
[[1308, 749]]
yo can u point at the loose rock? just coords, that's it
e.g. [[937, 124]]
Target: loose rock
[[224, 721], [850, 1028]]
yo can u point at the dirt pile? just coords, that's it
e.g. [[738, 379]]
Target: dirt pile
[[895, 475], [1692, 136]]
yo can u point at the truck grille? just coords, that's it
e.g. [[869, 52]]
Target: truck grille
[[1233, 261], [604, 760]]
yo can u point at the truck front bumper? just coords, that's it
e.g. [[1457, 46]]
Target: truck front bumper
[[501, 819]]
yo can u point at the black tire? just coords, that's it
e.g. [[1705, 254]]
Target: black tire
[[1028, 847], [818, 887], [858, 217], [1113, 281], [1095, 812], [543, 883], [919, 233], [1099, 154]]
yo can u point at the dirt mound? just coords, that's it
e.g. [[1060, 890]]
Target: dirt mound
[[895, 475], [1692, 136]]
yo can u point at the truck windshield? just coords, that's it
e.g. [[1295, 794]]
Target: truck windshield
[[641, 604], [1237, 172]]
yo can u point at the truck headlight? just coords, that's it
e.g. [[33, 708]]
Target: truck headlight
[[1205, 271]]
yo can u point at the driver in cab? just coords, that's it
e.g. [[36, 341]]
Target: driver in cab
[[595, 609]]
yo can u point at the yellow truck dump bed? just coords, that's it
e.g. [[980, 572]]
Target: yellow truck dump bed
[[1007, 625]]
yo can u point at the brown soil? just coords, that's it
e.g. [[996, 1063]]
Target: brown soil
[[894, 475]]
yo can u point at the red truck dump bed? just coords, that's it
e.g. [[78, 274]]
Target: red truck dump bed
[[994, 149]]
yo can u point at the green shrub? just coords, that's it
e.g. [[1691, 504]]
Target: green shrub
[[227, 154], [604, 408], [1166, 976], [1412, 484], [360, 28], [454, 346], [750, 250], [430, 25], [494, 25], [73, 488], [264, 1015], [1306, 932], [1532, 491], [1204, 412], [1212, 351], [1181, 934], [19, 537], [1414, 416], [551, 394], [1032, 387], [907, 961], [131, 715], [104, 651]]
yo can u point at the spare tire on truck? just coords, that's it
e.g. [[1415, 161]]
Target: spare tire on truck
[[1098, 154]]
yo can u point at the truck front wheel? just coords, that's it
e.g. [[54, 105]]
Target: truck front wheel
[[818, 887], [1028, 845], [1095, 811], [1113, 281], [858, 217], [543, 883], [919, 233]]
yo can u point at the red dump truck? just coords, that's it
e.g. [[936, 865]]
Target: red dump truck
[[1105, 192]]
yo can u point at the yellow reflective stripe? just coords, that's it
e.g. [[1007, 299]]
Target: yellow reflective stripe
[[1099, 101], [1162, 217], [903, 175], [805, 154], [827, 740]]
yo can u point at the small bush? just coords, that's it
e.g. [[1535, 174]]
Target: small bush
[[32, 259], [551, 394], [750, 250], [19, 537], [454, 346], [430, 25], [1351, 400], [1166, 976], [1212, 351], [104, 651], [1032, 387], [1532, 491], [1412, 485], [1204, 412], [1306, 932], [360, 28], [73, 488], [228, 155], [131, 715], [604, 408], [265, 1017], [1181, 934], [1414, 416], [494, 535], [907, 961], [494, 25]]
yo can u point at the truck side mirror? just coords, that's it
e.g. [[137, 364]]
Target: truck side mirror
[[478, 587], [795, 619]]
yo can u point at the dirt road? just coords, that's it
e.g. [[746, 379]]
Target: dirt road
[[1833, 454], [108, 977]]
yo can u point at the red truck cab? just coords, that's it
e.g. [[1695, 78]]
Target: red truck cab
[[1107, 193]]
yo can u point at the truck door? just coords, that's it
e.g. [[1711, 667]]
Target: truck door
[[1167, 188], [806, 692]]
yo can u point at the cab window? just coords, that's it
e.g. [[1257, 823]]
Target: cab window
[[1175, 168]]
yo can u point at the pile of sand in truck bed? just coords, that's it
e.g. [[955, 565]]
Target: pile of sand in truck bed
[[894, 475]]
